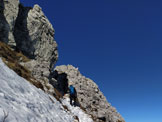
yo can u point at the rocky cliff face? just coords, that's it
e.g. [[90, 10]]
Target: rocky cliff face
[[38, 43], [89, 95], [28, 30], [37, 34]]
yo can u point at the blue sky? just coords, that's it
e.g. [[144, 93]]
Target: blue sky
[[118, 45]]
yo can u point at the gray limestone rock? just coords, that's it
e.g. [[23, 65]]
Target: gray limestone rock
[[29, 30], [89, 95], [34, 35], [8, 14]]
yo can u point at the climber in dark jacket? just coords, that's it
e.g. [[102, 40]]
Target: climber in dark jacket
[[73, 95]]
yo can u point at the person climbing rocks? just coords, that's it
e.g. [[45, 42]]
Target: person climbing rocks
[[73, 95]]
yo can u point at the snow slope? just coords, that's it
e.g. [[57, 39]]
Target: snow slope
[[25, 103]]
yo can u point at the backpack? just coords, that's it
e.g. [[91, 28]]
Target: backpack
[[72, 90]]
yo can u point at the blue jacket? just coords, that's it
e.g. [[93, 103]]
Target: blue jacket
[[72, 90]]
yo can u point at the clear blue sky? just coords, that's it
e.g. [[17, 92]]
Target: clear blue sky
[[116, 43]]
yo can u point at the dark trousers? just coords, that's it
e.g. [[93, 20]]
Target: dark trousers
[[73, 98]]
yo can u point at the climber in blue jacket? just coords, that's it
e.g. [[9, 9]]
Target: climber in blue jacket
[[73, 95]]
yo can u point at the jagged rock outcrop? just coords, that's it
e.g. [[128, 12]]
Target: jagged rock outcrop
[[89, 95], [28, 30], [8, 14], [34, 37], [34, 34]]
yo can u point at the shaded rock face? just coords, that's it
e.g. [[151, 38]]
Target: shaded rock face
[[59, 81], [89, 95], [8, 14]]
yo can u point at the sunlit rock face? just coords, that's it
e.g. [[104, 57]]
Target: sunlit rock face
[[34, 34]]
